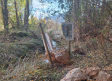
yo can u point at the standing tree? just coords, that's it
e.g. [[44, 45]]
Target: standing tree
[[76, 17], [26, 15], [17, 18], [5, 16]]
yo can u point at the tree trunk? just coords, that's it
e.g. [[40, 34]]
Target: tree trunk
[[94, 12], [5, 16], [17, 18], [26, 16], [21, 21], [77, 28]]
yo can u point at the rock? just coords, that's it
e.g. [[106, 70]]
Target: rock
[[60, 55], [108, 68], [75, 75], [103, 76], [92, 71], [110, 65], [87, 74]]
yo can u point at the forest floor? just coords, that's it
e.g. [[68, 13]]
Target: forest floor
[[22, 58]]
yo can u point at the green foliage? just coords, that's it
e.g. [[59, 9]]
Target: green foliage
[[21, 34], [33, 24], [37, 42], [48, 26], [51, 33], [19, 48], [12, 13]]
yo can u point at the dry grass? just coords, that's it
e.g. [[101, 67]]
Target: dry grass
[[98, 53], [28, 69]]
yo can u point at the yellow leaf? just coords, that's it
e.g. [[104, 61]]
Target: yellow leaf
[[40, 76], [27, 74], [13, 76]]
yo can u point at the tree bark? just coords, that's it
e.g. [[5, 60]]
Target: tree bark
[[5, 16], [21, 21], [17, 18], [77, 28], [26, 16]]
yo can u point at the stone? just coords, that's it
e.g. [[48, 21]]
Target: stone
[[75, 75], [87, 74], [92, 71], [110, 65], [108, 68], [103, 76], [59, 55]]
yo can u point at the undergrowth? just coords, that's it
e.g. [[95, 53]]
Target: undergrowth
[[21, 60], [31, 69]]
